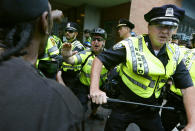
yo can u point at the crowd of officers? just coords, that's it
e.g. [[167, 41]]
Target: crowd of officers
[[145, 69]]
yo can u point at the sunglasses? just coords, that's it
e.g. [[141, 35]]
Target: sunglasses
[[69, 31], [98, 39]]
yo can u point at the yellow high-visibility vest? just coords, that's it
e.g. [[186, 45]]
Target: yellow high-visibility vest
[[143, 73]]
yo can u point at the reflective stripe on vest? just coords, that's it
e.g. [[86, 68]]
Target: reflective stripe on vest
[[51, 50], [77, 44], [79, 59], [189, 60], [66, 67], [137, 58], [54, 48]]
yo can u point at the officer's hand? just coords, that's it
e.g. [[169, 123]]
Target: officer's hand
[[66, 50], [57, 15], [98, 96], [189, 127]]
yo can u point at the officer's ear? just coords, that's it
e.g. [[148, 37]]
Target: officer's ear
[[76, 33], [128, 29], [104, 42], [149, 28]]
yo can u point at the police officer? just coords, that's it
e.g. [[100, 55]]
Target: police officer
[[170, 119], [58, 41], [28, 101], [48, 63], [71, 33], [147, 61], [85, 58], [125, 28], [69, 72], [87, 38]]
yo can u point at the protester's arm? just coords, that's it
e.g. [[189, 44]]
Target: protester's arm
[[189, 102], [109, 58], [57, 15], [98, 96]]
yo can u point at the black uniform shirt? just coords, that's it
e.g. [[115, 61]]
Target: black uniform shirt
[[115, 56]]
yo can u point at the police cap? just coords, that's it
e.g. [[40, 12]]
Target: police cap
[[72, 26], [166, 15], [17, 11], [125, 22]]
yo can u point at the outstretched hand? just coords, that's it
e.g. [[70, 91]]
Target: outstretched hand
[[67, 50]]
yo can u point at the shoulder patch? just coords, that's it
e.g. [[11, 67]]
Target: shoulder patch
[[53, 41], [118, 46]]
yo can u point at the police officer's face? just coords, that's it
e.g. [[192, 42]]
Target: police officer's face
[[97, 44], [160, 34], [87, 35], [123, 31], [70, 34]]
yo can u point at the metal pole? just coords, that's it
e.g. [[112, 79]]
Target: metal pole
[[136, 103]]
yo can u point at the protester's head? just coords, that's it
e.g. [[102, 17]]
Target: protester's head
[[163, 22], [124, 28], [71, 30], [99, 37], [87, 33], [21, 23]]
